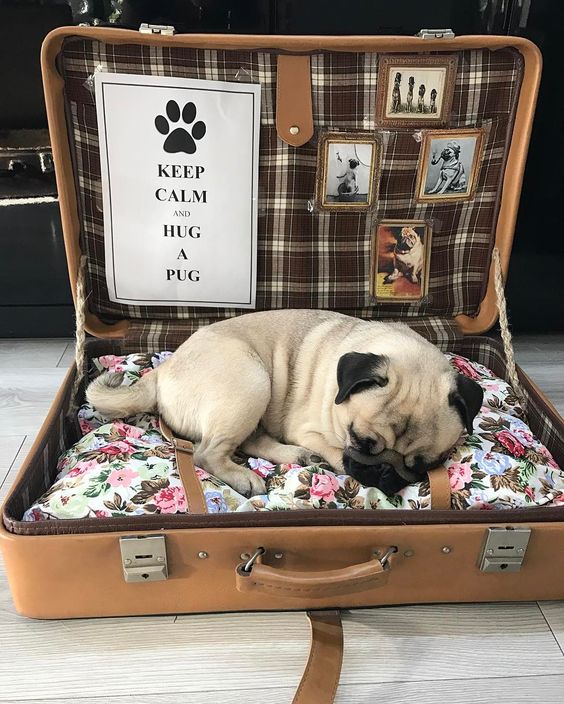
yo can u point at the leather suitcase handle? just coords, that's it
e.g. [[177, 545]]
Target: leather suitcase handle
[[313, 585]]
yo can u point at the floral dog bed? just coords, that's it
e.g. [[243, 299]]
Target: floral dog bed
[[125, 467]]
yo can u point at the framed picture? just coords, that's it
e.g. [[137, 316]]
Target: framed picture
[[448, 166], [415, 91], [346, 169], [400, 260]]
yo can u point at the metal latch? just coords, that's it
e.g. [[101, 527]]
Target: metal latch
[[435, 34], [504, 549], [144, 558], [166, 29]]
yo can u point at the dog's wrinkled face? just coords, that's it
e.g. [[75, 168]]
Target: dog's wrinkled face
[[402, 416], [407, 240]]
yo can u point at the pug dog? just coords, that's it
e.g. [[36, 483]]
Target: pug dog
[[303, 386], [348, 185], [409, 256], [452, 176]]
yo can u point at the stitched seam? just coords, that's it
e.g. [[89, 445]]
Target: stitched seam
[[310, 660]]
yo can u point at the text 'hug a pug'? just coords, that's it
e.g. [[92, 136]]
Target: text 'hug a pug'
[[373, 400]]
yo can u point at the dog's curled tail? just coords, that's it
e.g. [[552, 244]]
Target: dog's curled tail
[[112, 399]]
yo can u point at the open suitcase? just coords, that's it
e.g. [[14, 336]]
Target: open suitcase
[[313, 560]]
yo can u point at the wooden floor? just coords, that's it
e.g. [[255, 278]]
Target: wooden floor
[[478, 654]]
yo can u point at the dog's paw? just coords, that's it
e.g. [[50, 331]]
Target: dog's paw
[[310, 459], [181, 139], [247, 483]]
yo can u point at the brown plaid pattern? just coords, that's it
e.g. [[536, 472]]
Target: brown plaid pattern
[[149, 335], [316, 259]]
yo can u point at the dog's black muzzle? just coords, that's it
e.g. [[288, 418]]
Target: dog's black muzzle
[[385, 471]]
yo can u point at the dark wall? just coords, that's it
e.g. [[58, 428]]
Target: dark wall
[[536, 275]]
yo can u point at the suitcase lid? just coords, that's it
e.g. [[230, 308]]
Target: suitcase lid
[[308, 259]]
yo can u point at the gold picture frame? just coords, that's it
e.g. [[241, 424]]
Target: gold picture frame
[[401, 259], [346, 174], [415, 91], [449, 165]]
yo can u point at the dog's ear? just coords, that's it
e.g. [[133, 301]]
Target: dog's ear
[[357, 371], [467, 399]]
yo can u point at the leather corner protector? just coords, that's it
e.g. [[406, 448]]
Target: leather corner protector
[[294, 113]]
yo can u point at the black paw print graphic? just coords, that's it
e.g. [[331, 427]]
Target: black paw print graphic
[[180, 139]]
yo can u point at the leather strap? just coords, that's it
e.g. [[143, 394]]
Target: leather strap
[[321, 675], [184, 449], [440, 488], [313, 585], [294, 113]]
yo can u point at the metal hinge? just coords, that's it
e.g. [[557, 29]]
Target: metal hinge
[[144, 558], [435, 34], [504, 549], [166, 29]]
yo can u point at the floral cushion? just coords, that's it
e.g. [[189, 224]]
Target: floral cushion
[[125, 467]]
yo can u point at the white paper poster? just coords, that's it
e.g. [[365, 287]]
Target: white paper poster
[[179, 162]]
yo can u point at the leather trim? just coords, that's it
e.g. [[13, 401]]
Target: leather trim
[[293, 99], [323, 670], [184, 449], [314, 585], [440, 488]]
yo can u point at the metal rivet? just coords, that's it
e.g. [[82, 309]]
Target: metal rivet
[[160, 558], [409, 553], [294, 129], [278, 555], [245, 556], [520, 551], [446, 549], [490, 552], [127, 562], [202, 555]]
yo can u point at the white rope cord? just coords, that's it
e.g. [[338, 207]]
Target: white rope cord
[[7, 202], [504, 326], [80, 332]]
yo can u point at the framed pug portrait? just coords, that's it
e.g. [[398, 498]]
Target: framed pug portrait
[[449, 165], [415, 91], [347, 166], [401, 251]]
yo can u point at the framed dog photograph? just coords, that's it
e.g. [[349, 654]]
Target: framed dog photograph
[[415, 91], [346, 171], [400, 260], [449, 164]]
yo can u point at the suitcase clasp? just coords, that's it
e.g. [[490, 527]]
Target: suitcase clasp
[[143, 558], [435, 34], [504, 549]]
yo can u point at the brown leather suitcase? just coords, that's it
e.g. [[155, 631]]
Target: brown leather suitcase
[[314, 560]]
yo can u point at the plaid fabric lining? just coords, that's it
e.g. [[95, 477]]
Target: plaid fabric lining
[[316, 259], [169, 334]]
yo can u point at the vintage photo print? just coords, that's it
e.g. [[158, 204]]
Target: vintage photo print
[[400, 260], [449, 164], [415, 91], [346, 170]]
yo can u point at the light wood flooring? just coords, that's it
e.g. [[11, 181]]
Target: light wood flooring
[[453, 654]]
